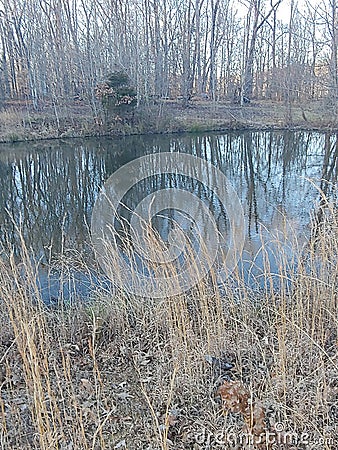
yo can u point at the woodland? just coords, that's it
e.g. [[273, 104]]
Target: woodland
[[57, 52]]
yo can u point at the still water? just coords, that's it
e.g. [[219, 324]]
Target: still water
[[48, 189]]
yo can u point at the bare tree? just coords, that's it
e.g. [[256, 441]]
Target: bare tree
[[58, 50], [255, 20]]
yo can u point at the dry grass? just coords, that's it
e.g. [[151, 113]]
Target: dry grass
[[125, 372], [260, 114], [18, 120]]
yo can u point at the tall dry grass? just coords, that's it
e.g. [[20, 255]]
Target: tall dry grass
[[122, 371]]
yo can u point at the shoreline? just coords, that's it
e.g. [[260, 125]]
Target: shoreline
[[19, 124]]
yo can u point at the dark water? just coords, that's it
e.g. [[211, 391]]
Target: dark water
[[48, 189]]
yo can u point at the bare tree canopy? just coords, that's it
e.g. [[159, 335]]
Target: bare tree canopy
[[54, 50]]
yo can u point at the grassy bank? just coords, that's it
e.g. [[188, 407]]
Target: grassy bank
[[195, 371], [18, 121]]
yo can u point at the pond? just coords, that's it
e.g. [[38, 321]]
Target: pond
[[49, 188]]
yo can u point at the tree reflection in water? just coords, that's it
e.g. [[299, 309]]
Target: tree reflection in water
[[48, 189]]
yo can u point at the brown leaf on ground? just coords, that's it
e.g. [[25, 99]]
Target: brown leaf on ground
[[236, 399], [234, 396]]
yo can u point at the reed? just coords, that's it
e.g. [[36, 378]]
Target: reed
[[123, 371]]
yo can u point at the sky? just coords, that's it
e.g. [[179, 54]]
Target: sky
[[283, 11]]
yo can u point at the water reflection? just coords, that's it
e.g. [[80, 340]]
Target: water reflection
[[48, 189]]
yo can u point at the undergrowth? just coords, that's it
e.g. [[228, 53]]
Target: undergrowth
[[219, 367]]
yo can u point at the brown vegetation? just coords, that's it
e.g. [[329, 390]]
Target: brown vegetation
[[133, 373], [18, 121]]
